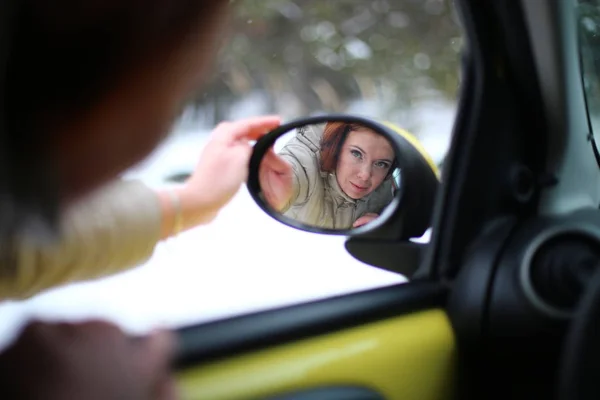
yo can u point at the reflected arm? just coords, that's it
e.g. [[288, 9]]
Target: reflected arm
[[304, 171], [294, 189]]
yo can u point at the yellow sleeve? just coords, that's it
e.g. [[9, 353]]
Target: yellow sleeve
[[114, 229]]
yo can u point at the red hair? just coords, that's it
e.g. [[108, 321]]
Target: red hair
[[334, 136]]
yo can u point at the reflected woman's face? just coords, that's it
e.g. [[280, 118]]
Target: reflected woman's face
[[364, 162]]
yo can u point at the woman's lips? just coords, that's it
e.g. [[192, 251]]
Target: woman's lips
[[359, 188]]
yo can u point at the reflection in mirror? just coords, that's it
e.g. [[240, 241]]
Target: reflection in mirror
[[334, 175]]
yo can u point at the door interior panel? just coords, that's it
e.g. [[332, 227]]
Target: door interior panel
[[409, 356], [251, 332]]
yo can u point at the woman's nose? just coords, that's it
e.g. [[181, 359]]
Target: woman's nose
[[364, 173]]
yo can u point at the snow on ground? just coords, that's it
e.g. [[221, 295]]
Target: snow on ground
[[242, 262]]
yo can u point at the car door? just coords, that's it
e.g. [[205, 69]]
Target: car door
[[393, 342], [396, 342]]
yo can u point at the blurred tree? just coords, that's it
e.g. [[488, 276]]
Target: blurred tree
[[308, 56]]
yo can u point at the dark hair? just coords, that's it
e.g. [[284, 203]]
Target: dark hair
[[66, 54], [58, 58], [334, 136]]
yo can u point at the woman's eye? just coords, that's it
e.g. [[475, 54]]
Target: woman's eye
[[356, 153], [382, 164]]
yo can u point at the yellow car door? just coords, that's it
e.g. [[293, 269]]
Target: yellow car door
[[389, 343]]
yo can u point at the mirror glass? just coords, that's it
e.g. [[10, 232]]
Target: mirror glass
[[335, 175]]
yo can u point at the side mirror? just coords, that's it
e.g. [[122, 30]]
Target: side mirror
[[346, 175]]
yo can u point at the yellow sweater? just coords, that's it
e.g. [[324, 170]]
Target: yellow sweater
[[114, 229]]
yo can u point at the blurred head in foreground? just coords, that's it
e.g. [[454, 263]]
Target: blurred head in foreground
[[90, 88]]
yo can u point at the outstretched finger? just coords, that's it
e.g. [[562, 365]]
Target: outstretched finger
[[359, 222], [275, 162], [365, 219], [249, 128]]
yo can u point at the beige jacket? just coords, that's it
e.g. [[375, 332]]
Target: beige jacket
[[317, 199], [114, 229]]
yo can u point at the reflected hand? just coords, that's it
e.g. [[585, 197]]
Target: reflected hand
[[276, 180], [222, 168], [92, 360], [365, 219]]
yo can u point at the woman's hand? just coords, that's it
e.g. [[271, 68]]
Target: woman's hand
[[276, 180], [365, 219], [221, 170]]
